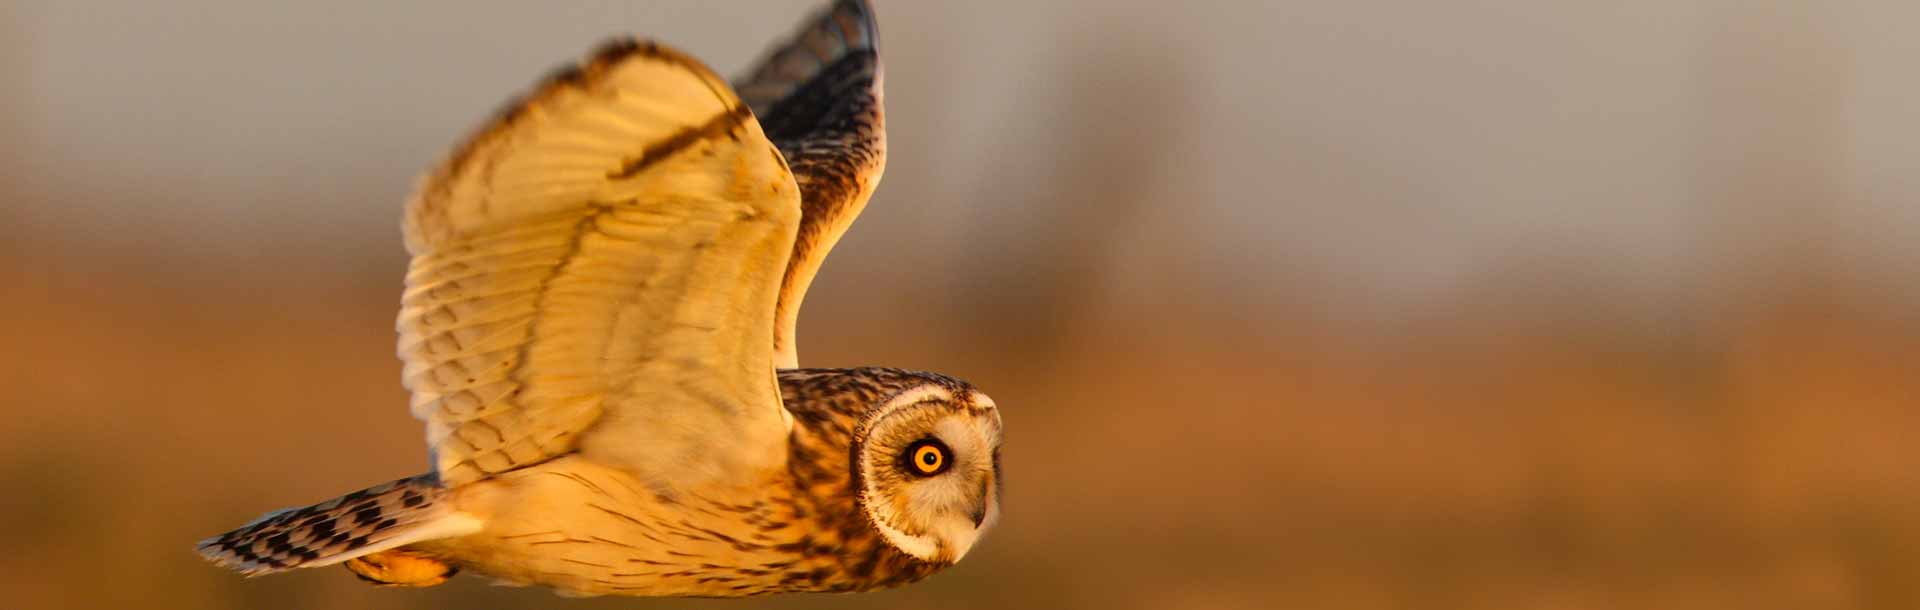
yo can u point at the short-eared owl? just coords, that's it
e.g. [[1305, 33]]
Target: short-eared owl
[[598, 329]]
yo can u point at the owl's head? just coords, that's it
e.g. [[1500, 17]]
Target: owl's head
[[928, 462]]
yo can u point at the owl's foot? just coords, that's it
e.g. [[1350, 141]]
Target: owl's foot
[[401, 569]]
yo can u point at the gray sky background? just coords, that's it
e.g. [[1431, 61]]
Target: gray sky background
[[1368, 159]]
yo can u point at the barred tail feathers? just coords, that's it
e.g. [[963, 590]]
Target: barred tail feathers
[[378, 518]]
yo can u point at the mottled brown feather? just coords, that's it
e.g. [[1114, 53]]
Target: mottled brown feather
[[819, 98], [297, 537]]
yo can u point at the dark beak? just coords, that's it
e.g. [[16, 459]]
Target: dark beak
[[980, 512]]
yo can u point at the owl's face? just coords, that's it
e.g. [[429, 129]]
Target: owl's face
[[929, 466]]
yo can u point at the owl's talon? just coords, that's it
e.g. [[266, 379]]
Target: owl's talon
[[401, 569]]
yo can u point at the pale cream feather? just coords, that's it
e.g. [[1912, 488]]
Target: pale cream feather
[[598, 271]]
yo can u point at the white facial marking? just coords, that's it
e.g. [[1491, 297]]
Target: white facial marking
[[982, 401], [921, 547], [925, 393]]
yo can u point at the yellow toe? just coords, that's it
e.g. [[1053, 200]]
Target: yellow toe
[[401, 569]]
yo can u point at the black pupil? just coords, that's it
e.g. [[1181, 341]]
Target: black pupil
[[930, 456]]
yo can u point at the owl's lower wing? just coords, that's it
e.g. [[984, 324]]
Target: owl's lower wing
[[597, 271]]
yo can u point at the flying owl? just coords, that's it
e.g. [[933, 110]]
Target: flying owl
[[598, 330]]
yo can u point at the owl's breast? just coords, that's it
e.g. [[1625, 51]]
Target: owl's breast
[[587, 529]]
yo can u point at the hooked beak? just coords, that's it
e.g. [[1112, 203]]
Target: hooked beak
[[979, 513]]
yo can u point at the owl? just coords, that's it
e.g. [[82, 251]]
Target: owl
[[598, 330]]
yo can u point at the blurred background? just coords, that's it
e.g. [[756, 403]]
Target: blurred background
[[1372, 304]]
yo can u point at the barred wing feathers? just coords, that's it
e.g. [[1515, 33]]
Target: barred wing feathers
[[819, 97], [597, 270]]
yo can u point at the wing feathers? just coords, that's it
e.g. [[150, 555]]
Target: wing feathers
[[819, 99], [603, 258], [550, 153], [720, 124]]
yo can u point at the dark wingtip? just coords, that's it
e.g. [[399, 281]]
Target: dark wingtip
[[844, 29], [861, 12]]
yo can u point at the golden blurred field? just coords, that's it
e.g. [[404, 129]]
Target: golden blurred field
[[1482, 462], [1287, 305]]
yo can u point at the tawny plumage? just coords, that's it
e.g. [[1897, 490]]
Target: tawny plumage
[[598, 329]]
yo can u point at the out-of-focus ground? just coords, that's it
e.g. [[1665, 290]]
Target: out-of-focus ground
[[1376, 305]]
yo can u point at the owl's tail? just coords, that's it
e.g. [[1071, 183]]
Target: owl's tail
[[371, 520]]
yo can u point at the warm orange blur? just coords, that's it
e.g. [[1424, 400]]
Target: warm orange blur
[[1287, 305]]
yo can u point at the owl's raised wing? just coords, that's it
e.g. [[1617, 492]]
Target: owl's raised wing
[[819, 98], [596, 271]]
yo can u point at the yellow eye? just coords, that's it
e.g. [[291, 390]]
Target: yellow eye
[[926, 457]]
